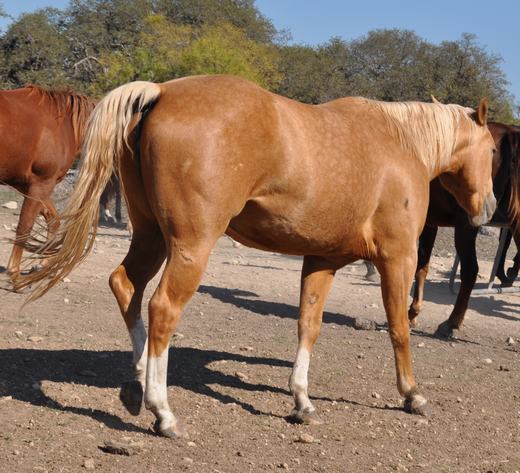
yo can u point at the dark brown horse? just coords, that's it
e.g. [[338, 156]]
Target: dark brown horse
[[444, 211], [42, 131], [203, 156], [112, 191]]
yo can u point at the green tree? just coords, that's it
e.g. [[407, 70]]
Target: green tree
[[167, 51], [33, 51], [242, 14]]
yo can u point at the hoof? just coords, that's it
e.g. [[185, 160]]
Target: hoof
[[305, 416], [175, 432], [131, 395], [417, 405], [372, 277], [445, 330], [412, 316], [511, 274]]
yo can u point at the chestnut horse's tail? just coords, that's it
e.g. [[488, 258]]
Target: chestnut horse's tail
[[514, 203], [105, 141]]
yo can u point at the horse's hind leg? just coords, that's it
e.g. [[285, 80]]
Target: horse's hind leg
[[317, 277], [128, 282], [426, 242], [186, 262], [396, 278]]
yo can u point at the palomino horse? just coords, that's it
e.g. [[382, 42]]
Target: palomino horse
[[42, 132], [208, 155], [445, 211]]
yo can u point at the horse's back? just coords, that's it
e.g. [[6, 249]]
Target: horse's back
[[281, 171]]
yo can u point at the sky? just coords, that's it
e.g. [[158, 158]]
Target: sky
[[313, 22]]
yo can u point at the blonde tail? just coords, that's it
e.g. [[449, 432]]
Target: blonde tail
[[105, 142]]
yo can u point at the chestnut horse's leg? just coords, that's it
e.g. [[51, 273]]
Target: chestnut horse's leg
[[128, 282], [187, 258], [51, 218], [396, 279], [465, 238], [426, 242], [317, 277], [31, 207]]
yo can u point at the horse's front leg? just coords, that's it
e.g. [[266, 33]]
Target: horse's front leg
[[317, 277], [465, 240], [31, 207], [396, 278]]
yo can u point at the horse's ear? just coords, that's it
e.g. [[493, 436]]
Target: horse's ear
[[482, 112], [434, 100]]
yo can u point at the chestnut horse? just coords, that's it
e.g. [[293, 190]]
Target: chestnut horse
[[207, 155], [444, 211], [42, 131]]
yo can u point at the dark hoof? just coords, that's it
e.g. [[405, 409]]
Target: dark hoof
[[511, 273], [131, 396], [412, 316], [176, 432], [417, 406], [305, 416], [445, 330], [372, 277]]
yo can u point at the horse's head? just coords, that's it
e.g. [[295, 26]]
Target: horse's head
[[469, 177]]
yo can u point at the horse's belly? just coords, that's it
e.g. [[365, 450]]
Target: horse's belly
[[294, 233]]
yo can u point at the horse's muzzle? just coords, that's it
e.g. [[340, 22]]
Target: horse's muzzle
[[488, 209]]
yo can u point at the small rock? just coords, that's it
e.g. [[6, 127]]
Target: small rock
[[487, 361], [246, 348], [11, 205], [6, 398], [178, 335], [421, 345], [284, 466], [66, 301], [191, 444], [459, 399], [34, 339], [89, 464], [305, 438], [66, 280], [241, 376], [116, 448], [511, 341], [376, 395], [364, 324], [18, 334], [187, 460]]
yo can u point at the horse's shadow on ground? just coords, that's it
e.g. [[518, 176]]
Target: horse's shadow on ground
[[22, 372], [249, 301], [438, 292]]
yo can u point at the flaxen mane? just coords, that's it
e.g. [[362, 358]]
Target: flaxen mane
[[428, 130], [66, 101]]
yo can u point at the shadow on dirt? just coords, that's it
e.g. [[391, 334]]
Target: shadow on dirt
[[22, 372], [246, 300]]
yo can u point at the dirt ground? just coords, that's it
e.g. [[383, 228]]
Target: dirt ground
[[63, 358]]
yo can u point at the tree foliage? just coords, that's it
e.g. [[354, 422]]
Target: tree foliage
[[96, 45]]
